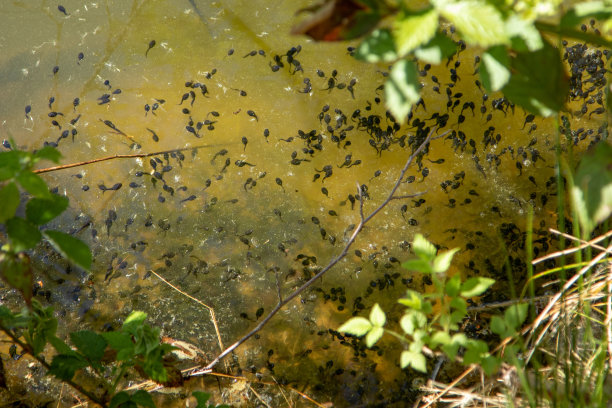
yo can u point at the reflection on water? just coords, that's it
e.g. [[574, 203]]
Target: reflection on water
[[280, 133]]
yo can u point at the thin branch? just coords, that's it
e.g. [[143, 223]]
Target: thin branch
[[26, 347], [210, 309], [118, 156], [331, 263]]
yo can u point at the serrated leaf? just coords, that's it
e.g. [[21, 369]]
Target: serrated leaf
[[70, 247], [478, 22], [415, 29], [118, 340], [592, 191], [60, 346], [65, 366], [416, 360], [48, 153], [495, 68], [407, 324], [515, 315], [201, 398], [441, 338], [442, 261], [452, 286], [490, 364], [16, 271], [90, 344], [538, 82], [475, 286], [519, 28], [40, 211], [417, 265], [412, 300], [423, 248], [476, 351], [143, 398], [9, 201], [121, 397], [33, 184], [498, 326], [436, 50], [377, 316], [9, 164], [23, 234], [402, 89], [357, 326], [135, 319], [377, 47], [373, 336]]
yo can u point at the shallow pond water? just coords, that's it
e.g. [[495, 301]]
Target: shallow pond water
[[254, 202]]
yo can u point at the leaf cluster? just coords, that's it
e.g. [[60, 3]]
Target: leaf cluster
[[426, 328], [516, 60]]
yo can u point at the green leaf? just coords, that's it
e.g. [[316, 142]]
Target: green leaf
[[373, 336], [118, 340], [143, 398], [459, 304], [48, 153], [423, 248], [440, 337], [594, 9], [452, 286], [9, 201], [529, 38], [60, 346], [416, 360], [498, 326], [475, 286], [70, 247], [33, 184], [133, 321], [417, 265], [478, 22], [442, 261], [202, 398], [538, 82], [377, 316], [412, 320], [494, 68], [436, 50], [592, 191], [476, 351], [490, 364], [377, 47], [90, 344], [65, 366], [357, 326], [121, 397], [411, 30], [42, 210], [412, 300], [402, 89], [10, 164], [515, 315], [16, 271], [22, 233]]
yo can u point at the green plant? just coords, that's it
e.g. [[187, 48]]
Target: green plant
[[110, 355], [431, 321], [517, 58]]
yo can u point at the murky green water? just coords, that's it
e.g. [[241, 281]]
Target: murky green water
[[226, 234]]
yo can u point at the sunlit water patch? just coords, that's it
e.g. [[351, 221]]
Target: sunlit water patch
[[266, 143]]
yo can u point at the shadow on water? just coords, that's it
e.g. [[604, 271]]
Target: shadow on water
[[270, 197]]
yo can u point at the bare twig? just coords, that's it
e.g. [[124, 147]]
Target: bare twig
[[568, 251], [118, 156], [210, 309], [331, 263]]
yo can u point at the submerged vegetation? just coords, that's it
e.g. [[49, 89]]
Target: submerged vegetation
[[244, 184]]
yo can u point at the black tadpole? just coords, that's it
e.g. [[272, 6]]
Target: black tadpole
[[62, 9], [244, 142], [151, 45], [280, 183], [252, 114]]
